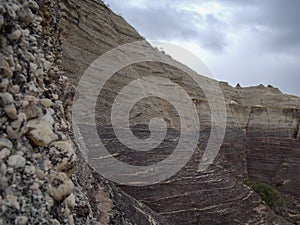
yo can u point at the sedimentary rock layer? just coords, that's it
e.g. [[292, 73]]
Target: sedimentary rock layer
[[261, 140]]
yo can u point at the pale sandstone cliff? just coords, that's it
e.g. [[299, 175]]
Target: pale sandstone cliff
[[259, 141]]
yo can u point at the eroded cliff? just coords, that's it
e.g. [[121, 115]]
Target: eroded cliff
[[260, 142], [46, 179]]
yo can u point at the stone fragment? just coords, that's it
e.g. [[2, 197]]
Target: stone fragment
[[26, 16], [60, 186], [63, 157], [3, 168], [29, 170], [7, 71], [40, 132], [15, 89], [11, 12], [31, 107], [71, 219], [4, 84], [13, 201], [4, 153], [39, 173], [70, 201], [5, 143], [46, 102], [35, 188], [11, 111], [21, 119], [15, 35], [47, 65], [48, 116], [3, 182], [16, 161], [6, 98], [11, 133], [21, 220], [55, 96]]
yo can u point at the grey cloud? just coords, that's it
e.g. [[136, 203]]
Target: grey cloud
[[169, 23], [268, 54], [279, 18]]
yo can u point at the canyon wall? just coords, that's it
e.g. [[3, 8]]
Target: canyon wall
[[46, 47], [261, 141]]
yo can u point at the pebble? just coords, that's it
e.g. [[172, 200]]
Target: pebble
[[11, 12], [48, 117], [15, 7], [26, 16], [16, 161], [47, 65], [31, 107], [21, 220], [64, 156], [4, 153], [11, 111], [15, 36], [35, 188], [49, 202], [6, 98], [39, 174], [15, 89], [3, 182], [70, 201], [46, 102], [33, 66], [13, 201], [34, 5], [40, 132], [3, 169], [71, 219], [55, 96], [3, 121], [11, 133], [4, 84], [21, 119], [60, 186], [52, 73], [5, 143], [7, 71], [29, 170]]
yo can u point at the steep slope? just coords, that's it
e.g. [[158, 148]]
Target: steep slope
[[90, 29], [270, 123], [43, 179]]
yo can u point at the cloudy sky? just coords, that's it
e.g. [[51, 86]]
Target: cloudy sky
[[249, 42]]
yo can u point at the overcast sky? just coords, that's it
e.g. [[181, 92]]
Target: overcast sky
[[249, 42]]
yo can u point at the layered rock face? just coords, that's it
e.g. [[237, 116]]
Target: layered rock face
[[45, 178], [270, 122], [261, 140]]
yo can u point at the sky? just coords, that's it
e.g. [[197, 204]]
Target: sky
[[250, 42]]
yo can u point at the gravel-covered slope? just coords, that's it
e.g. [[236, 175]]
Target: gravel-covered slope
[[43, 179]]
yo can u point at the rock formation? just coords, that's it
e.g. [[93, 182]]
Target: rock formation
[[43, 179], [46, 46]]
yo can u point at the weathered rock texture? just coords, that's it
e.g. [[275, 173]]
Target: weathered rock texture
[[261, 140], [43, 181]]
